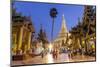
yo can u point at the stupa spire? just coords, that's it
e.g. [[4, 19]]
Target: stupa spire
[[63, 26], [63, 33]]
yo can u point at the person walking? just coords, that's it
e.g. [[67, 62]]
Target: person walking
[[42, 53]]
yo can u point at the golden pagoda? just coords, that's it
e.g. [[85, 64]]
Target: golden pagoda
[[63, 34]]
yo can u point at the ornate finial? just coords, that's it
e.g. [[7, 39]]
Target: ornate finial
[[63, 15], [41, 26], [78, 19]]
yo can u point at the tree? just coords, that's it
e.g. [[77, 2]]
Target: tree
[[53, 14]]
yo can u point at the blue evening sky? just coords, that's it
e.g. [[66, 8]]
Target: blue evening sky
[[39, 13]]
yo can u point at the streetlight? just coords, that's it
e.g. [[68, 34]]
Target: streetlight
[[53, 14]]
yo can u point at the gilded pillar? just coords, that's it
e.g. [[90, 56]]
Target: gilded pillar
[[29, 40], [20, 38]]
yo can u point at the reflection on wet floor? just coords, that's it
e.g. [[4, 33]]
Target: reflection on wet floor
[[65, 58], [49, 59]]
